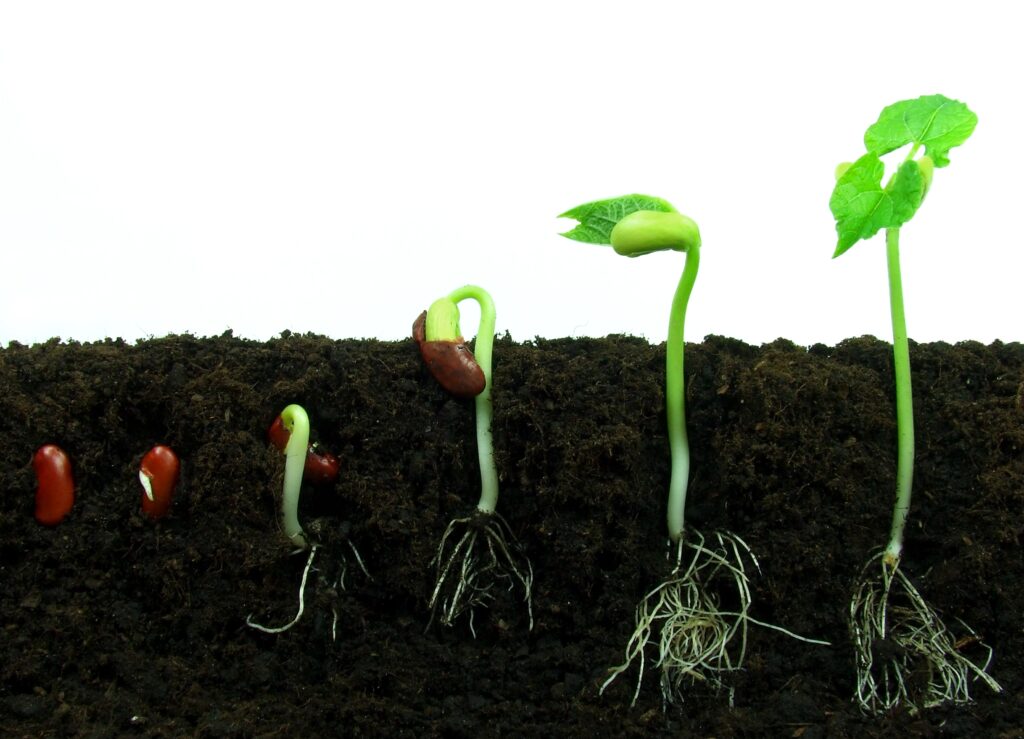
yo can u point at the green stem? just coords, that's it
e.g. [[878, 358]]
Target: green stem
[[675, 396], [482, 352], [296, 422], [904, 401]]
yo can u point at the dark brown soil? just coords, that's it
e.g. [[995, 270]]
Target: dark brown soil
[[115, 626]]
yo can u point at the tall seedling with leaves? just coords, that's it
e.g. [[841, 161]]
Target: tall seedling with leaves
[[886, 607]]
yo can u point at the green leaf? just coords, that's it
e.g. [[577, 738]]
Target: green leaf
[[598, 218], [932, 121], [862, 207], [906, 190]]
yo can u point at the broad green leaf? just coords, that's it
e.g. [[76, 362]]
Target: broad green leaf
[[858, 202], [862, 207], [906, 190], [598, 218], [932, 121]]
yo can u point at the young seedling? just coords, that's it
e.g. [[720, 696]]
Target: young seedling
[[698, 641], [477, 551], [921, 665], [295, 423]]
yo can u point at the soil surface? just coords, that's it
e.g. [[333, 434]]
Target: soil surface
[[113, 625]]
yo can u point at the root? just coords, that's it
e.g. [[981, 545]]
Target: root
[[905, 654], [335, 583], [698, 642], [470, 565], [302, 602]]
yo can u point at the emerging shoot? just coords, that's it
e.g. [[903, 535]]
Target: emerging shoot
[[321, 467], [470, 564], [296, 423], [292, 437], [886, 607]]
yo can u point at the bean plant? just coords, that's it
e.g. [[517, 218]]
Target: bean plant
[[477, 552], [921, 665], [698, 639]]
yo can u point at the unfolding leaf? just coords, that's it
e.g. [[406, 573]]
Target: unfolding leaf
[[598, 218], [862, 207], [932, 121], [906, 191]]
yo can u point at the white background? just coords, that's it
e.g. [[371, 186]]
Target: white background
[[333, 167]]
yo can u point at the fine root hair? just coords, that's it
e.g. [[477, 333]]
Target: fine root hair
[[906, 656], [331, 578], [698, 640], [477, 554]]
